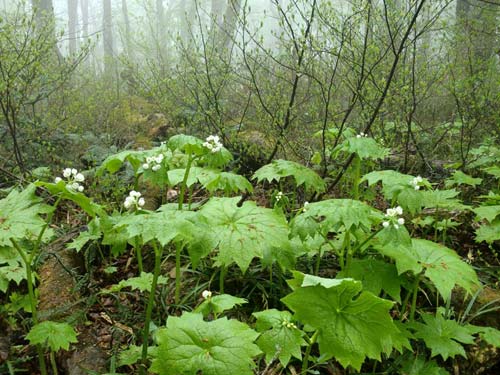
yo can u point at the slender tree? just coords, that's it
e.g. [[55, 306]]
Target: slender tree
[[229, 23], [107, 30], [72, 21]]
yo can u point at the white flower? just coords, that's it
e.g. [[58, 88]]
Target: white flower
[[134, 200], [278, 196], [206, 294], [416, 182], [304, 209], [153, 162], [361, 135], [73, 179], [392, 215], [212, 142]]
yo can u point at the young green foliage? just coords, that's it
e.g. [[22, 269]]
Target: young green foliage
[[55, 335], [279, 169], [189, 345], [444, 337], [280, 338], [353, 324], [243, 233], [438, 263]]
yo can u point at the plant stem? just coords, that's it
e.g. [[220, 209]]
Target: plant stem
[[138, 252], [318, 262], [149, 308], [414, 298], [356, 177], [221, 279], [31, 297], [184, 182], [312, 341], [53, 363], [178, 250]]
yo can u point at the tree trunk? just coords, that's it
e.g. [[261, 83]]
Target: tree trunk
[[44, 17], [229, 24], [84, 7], [126, 21], [107, 29], [161, 34], [72, 21], [216, 12]]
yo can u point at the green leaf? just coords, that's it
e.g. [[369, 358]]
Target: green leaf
[[55, 335], [494, 171], [444, 337], [398, 187], [88, 205], [443, 199], [20, 216], [130, 355], [489, 334], [280, 337], [219, 304], [376, 276], [460, 178], [331, 215], [420, 366], [279, 169], [243, 233], [487, 212], [113, 163], [211, 179], [351, 324], [190, 345], [364, 147], [142, 283], [488, 233], [440, 264]]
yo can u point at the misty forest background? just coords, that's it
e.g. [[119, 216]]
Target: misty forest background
[[81, 79]]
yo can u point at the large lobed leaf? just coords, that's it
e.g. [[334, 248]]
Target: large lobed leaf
[[280, 338], [189, 345], [20, 216], [352, 324], [243, 233], [279, 169], [332, 214], [440, 264]]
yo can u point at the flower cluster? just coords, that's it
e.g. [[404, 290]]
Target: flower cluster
[[134, 200], [213, 143], [392, 217], [306, 204], [154, 162], [73, 179], [361, 135], [206, 294], [287, 324], [416, 182], [278, 196]]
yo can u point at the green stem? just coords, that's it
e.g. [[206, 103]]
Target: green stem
[[318, 262], [138, 252], [31, 297], [356, 176], [184, 182], [149, 308], [178, 250], [53, 363], [414, 298], [312, 341], [223, 271], [348, 259]]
